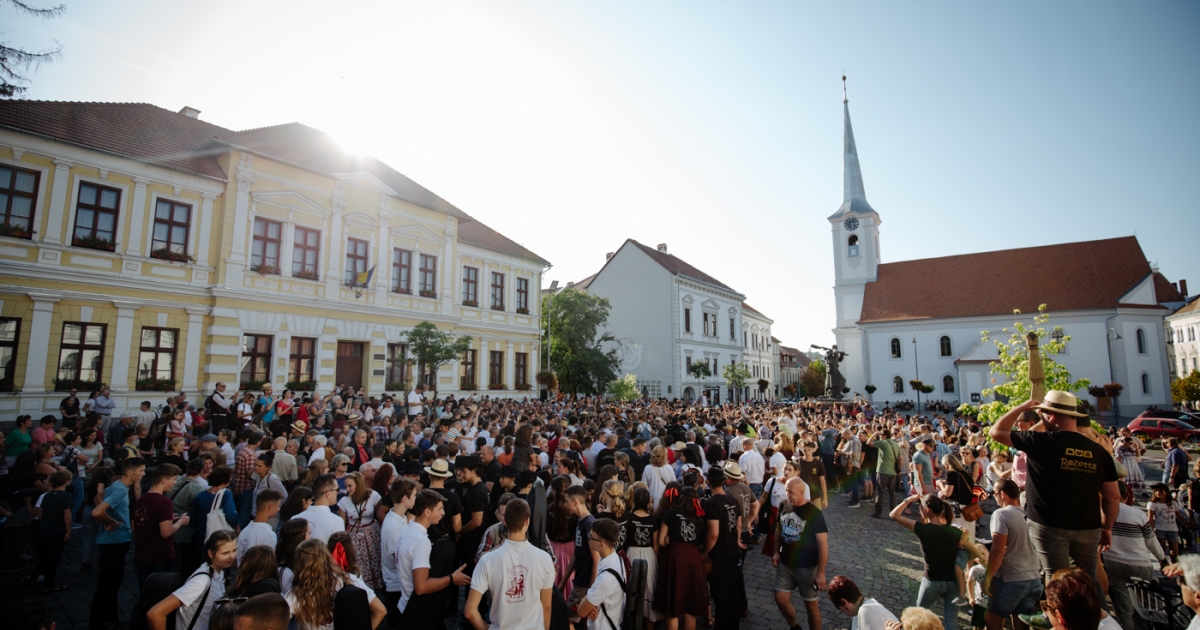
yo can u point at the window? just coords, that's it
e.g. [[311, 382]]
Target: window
[[396, 376], [897, 384], [1145, 383], [10, 335], [401, 271], [852, 245], [497, 291], [470, 286], [356, 259], [496, 367], [745, 339], [18, 192], [428, 276], [467, 380], [306, 253], [302, 359], [81, 354], [688, 364], [707, 331], [687, 320], [256, 358], [948, 384], [96, 217], [521, 365], [156, 356], [895, 348], [944, 344], [1141, 341], [523, 295], [172, 221], [264, 249], [732, 335]]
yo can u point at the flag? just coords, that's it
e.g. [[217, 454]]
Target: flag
[[364, 279]]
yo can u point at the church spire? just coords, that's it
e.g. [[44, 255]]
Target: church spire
[[854, 196]]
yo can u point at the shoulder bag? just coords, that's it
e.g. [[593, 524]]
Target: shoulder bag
[[215, 520]]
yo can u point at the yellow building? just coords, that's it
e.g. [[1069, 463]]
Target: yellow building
[[152, 251]]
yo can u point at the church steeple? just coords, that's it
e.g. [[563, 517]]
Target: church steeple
[[854, 196]]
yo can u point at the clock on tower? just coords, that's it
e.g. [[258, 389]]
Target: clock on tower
[[851, 224]]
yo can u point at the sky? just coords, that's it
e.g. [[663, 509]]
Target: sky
[[713, 127]]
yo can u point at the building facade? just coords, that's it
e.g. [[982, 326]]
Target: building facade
[[1183, 339], [923, 319], [151, 251], [761, 354]]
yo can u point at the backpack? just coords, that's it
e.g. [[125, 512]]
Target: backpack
[[634, 613], [351, 610], [158, 429], [155, 589]]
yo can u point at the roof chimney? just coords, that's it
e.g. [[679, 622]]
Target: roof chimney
[[662, 247], [1183, 287], [608, 256], [190, 112]]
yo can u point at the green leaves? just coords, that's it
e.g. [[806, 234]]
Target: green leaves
[[624, 389], [735, 374], [581, 352], [433, 348], [1187, 388]]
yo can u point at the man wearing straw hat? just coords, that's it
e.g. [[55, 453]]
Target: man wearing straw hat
[[1066, 473]]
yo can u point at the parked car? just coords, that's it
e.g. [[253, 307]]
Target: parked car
[[1154, 425]]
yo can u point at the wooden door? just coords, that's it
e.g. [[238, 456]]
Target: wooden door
[[350, 364]]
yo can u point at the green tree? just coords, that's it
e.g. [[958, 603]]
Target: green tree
[[573, 328], [812, 380], [1186, 389], [431, 348], [735, 375], [699, 371], [763, 384], [624, 389], [16, 62]]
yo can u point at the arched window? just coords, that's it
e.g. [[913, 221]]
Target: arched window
[[895, 348], [897, 384], [948, 383], [944, 343], [852, 245], [1141, 341], [1145, 383]]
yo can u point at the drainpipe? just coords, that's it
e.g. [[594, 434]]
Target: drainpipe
[[1108, 332]]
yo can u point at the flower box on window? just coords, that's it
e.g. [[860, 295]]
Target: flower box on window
[[65, 384], [497, 308], [251, 386], [468, 387], [472, 303], [10, 388], [156, 384], [14, 231], [522, 311], [265, 270], [426, 293], [497, 386], [307, 274], [402, 291], [163, 253], [396, 387], [94, 242], [301, 386], [524, 387]]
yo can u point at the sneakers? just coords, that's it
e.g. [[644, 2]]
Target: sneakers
[[1036, 621], [854, 504], [960, 601]]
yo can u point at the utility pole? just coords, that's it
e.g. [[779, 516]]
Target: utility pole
[[917, 367]]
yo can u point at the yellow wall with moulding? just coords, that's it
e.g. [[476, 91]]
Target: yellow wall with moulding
[[19, 308]]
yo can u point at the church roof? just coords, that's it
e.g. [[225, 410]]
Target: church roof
[[854, 196], [1069, 276]]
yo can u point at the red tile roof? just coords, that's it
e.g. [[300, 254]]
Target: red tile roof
[[476, 233], [802, 359], [1165, 290], [679, 267], [1070, 276]]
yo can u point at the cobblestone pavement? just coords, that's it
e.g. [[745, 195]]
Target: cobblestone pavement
[[882, 557]]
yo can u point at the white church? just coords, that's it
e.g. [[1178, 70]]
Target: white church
[[922, 319]]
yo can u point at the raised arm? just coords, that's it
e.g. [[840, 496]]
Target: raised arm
[[1002, 430], [897, 514]]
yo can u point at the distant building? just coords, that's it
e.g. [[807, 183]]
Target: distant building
[[761, 354], [792, 364], [1183, 338], [922, 319]]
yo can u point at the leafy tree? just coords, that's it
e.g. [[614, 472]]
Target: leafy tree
[[573, 324], [871, 392], [432, 348], [624, 389], [699, 370], [812, 379], [735, 374], [16, 62], [762, 385], [1186, 389]]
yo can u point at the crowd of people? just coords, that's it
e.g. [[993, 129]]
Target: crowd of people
[[345, 512]]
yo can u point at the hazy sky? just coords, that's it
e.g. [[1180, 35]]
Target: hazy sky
[[715, 127]]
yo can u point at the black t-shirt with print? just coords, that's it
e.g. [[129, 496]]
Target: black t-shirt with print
[[475, 499], [1066, 470], [726, 510], [681, 528], [638, 531], [583, 552], [799, 547], [811, 473]]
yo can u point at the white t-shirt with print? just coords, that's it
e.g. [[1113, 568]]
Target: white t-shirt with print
[[515, 573], [607, 590], [253, 535], [191, 592], [322, 521]]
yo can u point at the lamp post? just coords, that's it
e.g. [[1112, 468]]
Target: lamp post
[[917, 368]]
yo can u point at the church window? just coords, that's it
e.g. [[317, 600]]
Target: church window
[[1145, 383], [898, 385], [948, 384], [853, 245], [1141, 341], [687, 320], [895, 348], [944, 343]]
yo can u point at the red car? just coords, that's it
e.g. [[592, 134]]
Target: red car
[[1153, 425]]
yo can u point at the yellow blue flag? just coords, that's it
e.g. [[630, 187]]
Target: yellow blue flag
[[364, 279]]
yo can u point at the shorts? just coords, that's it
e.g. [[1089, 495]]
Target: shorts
[[1167, 536], [977, 616], [1014, 598], [960, 560], [573, 602], [803, 579]]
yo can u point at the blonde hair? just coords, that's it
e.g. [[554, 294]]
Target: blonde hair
[[613, 497], [915, 618], [658, 456], [316, 584], [952, 461]]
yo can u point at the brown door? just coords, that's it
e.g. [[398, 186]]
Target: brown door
[[350, 364]]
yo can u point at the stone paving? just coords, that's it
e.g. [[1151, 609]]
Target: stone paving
[[882, 557]]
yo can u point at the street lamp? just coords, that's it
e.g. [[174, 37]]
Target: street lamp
[[917, 368]]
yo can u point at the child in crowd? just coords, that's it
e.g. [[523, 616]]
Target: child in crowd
[[1163, 511], [975, 593]]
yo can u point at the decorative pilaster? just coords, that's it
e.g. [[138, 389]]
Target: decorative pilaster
[[483, 362], [235, 268], [383, 249], [58, 203], [204, 222], [287, 248], [123, 345], [192, 358], [333, 272], [137, 216], [510, 367], [39, 342]]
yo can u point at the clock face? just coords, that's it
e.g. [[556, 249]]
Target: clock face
[[851, 224]]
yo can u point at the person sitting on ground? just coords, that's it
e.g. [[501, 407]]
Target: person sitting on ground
[[865, 612]]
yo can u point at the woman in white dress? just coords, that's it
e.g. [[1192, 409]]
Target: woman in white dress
[[357, 510], [658, 474]]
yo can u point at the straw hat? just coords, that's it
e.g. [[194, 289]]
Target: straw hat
[[732, 470], [439, 468], [1063, 403]]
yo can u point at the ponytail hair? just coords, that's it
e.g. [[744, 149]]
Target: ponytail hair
[[938, 507]]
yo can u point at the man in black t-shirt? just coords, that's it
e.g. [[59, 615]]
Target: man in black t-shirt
[[723, 515], [1067, 472], [450, 524], [474, 494], [800, 554]]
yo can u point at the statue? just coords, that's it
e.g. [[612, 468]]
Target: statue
[[834, 381]]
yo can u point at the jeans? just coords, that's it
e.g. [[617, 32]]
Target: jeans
[[1060, 548], [1014, 598], [1122, 598], [929, 594], [757, 489], [76, 498], [855, 479], [108, 585], [885, 483]]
